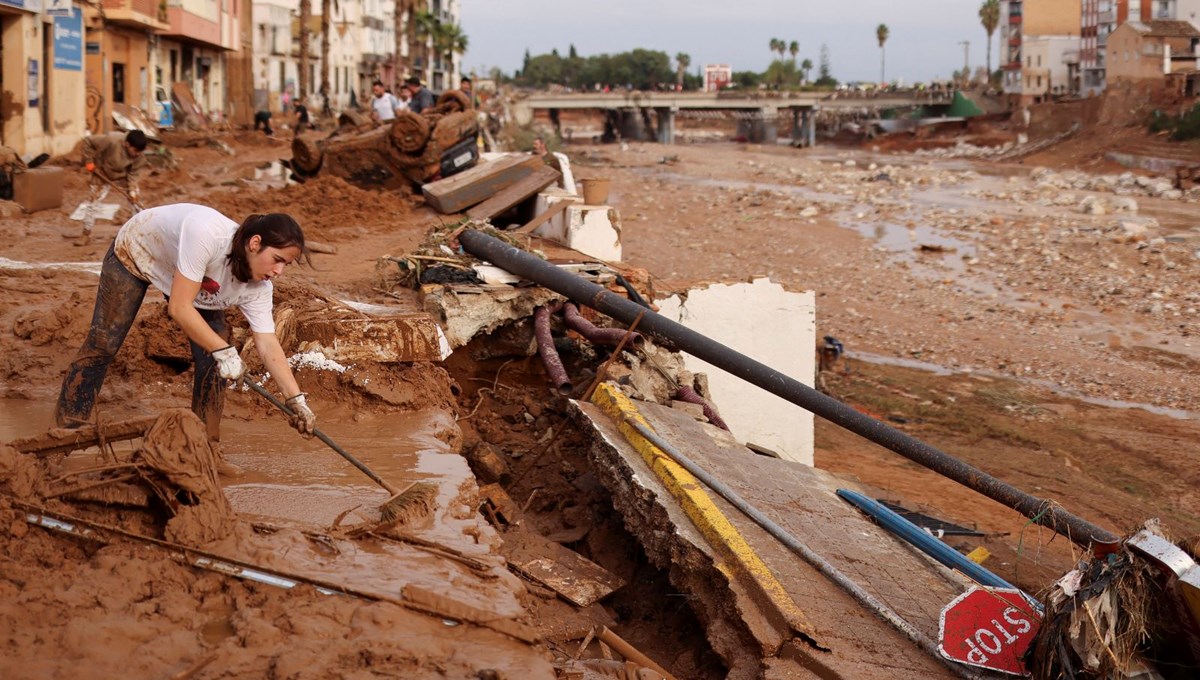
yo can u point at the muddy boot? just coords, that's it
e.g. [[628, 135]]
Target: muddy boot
[[224, 467]]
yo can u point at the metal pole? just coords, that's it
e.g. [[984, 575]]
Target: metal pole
[[795, 545], [584, 292]]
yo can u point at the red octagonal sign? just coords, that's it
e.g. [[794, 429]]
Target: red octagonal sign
[[989, 628]]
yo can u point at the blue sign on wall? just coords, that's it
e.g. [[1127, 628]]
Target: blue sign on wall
[[68, 41]]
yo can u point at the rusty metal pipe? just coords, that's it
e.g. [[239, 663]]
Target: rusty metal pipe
[[630, 652], [685, 393], [596, 334], [584, 292], [550, 358]]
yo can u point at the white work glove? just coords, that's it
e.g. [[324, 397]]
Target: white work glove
[[229, 364], [303, 419]]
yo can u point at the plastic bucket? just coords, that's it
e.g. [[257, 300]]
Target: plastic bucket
[[595, 191]]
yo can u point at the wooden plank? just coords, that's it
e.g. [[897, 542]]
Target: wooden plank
[[498, 203], [564, 571], [544, 217], [60, 440], [457, 193]]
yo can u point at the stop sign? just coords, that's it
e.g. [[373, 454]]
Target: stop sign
[[989, 628]]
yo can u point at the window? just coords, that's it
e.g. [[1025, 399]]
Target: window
[[1039, 60]]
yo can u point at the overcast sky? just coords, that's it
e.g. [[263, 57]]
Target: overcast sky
[[924, 42]]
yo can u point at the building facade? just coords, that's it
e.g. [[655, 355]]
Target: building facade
[[192, 51], [41, 76], [1141, 53], [1033, 33]]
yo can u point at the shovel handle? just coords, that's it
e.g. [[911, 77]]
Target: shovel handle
[[325, 438]]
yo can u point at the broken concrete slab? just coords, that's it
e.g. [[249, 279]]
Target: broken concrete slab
[[466, 311], [593, 230], [736, 316], [850, 641], [392, 339]]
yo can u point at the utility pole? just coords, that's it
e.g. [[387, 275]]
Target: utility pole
[[966, 61]]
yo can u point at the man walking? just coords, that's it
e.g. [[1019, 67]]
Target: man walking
[[384, 105], [111, 160]]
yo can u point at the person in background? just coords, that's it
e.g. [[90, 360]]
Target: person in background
[[204, 263], [263, 119], [422, 98], [539, 146], [111, 160], [384, 104], [467, 88], [303, 122]]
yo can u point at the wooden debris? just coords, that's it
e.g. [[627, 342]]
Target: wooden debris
[[544, 217], [566, 572], [457, 193], [61, 440], [507, 198]]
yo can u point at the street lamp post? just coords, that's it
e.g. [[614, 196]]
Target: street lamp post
[[966, 60]]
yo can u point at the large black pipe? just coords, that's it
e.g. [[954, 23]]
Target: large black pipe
[[584, 292]]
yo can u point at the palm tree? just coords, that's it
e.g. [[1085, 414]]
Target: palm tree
[[682, 62], [805, 67], [305, 17], [327, 8], [404, 10], [881, 34], [793, 49], [989, 16], [421, 28], [775, 45], [449, 40]]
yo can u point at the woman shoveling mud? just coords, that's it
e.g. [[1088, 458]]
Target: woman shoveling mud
[[204, 263]]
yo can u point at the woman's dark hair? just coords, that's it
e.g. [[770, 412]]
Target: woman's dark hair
[[277, 230]]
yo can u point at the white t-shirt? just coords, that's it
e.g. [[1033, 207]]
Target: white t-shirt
[[195, 240], [385, 106]]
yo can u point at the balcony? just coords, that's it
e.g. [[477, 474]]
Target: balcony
[[137, 14], [1109, 17], [1014, 18], [1012, 66]]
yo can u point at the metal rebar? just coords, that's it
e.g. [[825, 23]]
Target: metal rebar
[[584, 292]]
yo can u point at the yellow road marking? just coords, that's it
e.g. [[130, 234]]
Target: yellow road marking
[[708, 518]]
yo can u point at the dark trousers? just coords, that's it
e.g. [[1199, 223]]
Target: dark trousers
[[118, 299]]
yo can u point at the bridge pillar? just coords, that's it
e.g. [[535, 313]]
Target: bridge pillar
[[760, 129], [810, 127], [799, 120], [631, 125], [666, 125]]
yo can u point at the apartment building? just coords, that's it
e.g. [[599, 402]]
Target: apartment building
[[41, 75], [1146, 52], [1040, 43], [192, 50]]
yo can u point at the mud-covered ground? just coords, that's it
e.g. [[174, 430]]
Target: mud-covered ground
[[983, 313]]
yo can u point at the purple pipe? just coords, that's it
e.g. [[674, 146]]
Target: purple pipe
[[545, 343], [685, 393], [602, 336]]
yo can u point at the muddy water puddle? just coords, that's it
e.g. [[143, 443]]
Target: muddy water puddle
[[944, 371], [294, 489]]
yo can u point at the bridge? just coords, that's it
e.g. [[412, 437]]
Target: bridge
[[629, 111]]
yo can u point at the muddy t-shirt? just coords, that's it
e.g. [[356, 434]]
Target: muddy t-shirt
[[195, 240]]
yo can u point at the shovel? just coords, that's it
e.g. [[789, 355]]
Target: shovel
[[414, 500]]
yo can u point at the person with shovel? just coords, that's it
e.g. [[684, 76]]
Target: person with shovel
[[203, 262], [113, 160]]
